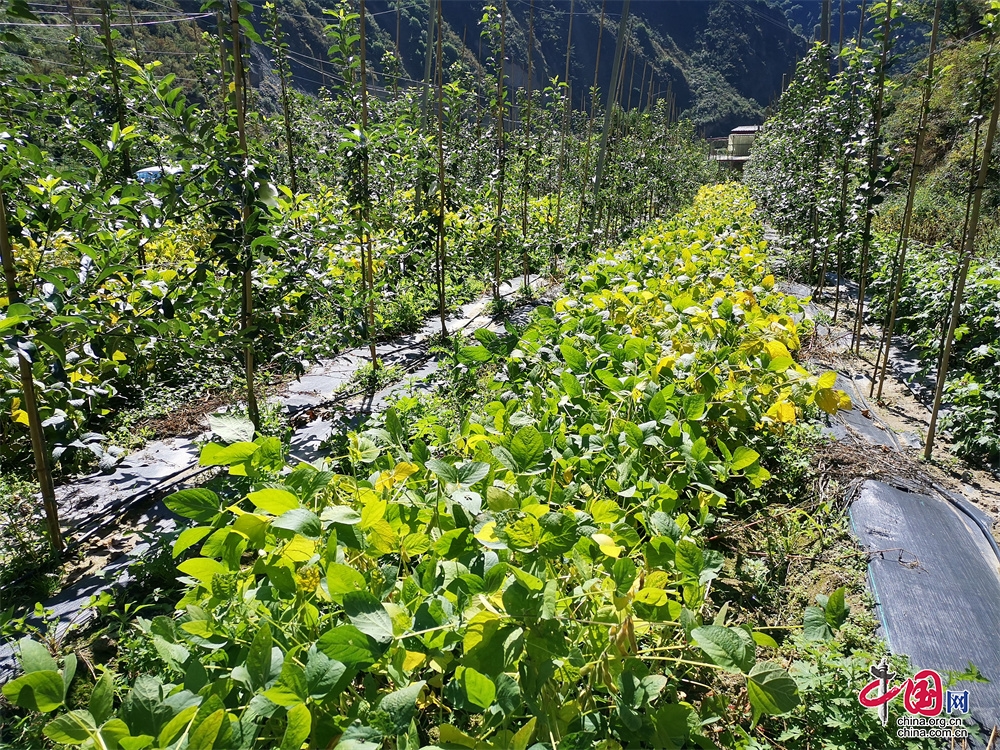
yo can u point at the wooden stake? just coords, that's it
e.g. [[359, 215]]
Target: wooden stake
[[115, 83], [424, 95], [967, 251], [590, 123], [565, 126], [866, 237], [246, 312], [38, 447], [993, 738], [904, 236], [135, 37], [280, 61], [631, 81], [840, 41], [526, 131], [501, 153], [619, 49], [642, 83], [364, 236], [441, 249]]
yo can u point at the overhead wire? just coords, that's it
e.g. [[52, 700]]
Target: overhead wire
[[194, 17]]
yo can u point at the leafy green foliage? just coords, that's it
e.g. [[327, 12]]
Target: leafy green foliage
[[546, 555]]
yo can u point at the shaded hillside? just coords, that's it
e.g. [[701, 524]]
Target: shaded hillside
[[721, 60]]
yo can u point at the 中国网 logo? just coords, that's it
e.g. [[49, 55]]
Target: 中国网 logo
[[929, 707]]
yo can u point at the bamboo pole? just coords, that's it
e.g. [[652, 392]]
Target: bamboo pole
[[620, 83], [479, 93], [501, 153], [597, 59], [526, 139], [38, 447], [840, 40], [987, 62], [967, 250], [424, 95], [866, 237], [280, 60], [441, 248], [77, 44], [135, 37], [631, 82], [364, 236], [845, 176], [246, 312], [565, 126], [590, 123], [603, 152], [115, 82], [904, 236]]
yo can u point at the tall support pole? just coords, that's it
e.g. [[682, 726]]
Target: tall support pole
[[904, 235], [424, 97], [603, 153], [399, 7], [526, 137], [135, 37], [38, 447], [286, 109], [368, 266], [866, 238], [565, 126], [501, 152], [840, 39], [642, 84], [223, 74], [246, 312], [441, 247], [967, 251], [593, 110], [631, 81], [115, 82]]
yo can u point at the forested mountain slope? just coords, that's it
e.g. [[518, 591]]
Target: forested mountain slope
[[723, 61]]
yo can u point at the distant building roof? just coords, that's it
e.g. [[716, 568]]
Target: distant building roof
[[745, 129]]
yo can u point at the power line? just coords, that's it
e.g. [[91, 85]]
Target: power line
[[97, 25]]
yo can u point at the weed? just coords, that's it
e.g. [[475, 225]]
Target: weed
[[373, 379], [499, 308], [830, 716], [27, 564]]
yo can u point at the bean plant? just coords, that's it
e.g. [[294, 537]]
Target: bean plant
[[537, 575]]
